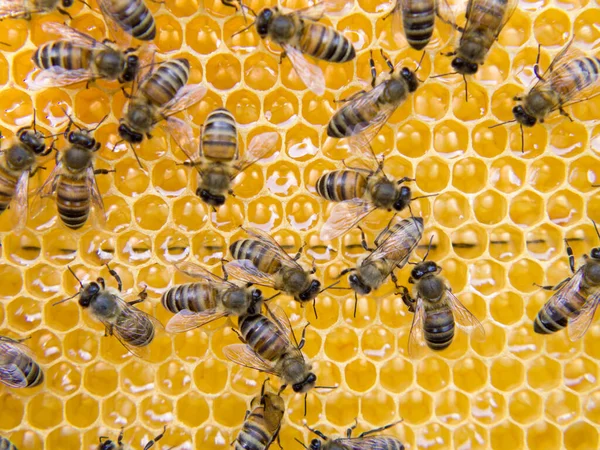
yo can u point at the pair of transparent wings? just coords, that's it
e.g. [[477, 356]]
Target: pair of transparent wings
[[579, 323], [186, 320], [20, 8], [477, 14], [463, 318], [244, 355], [10, 373], [19, 202], [244, 269]]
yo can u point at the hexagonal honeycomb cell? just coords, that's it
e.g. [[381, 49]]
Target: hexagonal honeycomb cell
[[499, 217]]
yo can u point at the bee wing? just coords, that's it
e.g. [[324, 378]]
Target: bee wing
[[119, 30], [309, 73], [280, 318], [186, 320], [579, 324], [57, 77], [314, 12], [199, 272], [72, 35], [243, 269], [10, 373], [464, 317], [258, 147], [12, 8], [19, 205], [96, 197], [273, 246], [187, 96], [46, 190], [362, 146], [397, 22], [13, 376], [416, 337], [344, 216], [244, 356], [478, 15]]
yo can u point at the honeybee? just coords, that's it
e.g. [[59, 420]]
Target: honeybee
[[131, 16], [436, 310], [360, 191], [23, 9], [5, 444], [485, 21], [107, 444], [262, 422], [262, 261], [394, 246], [196, 304], [79, 57], [362, 442], [132, 327], [73, 180], [161, 93], [219, 162], [366, 112], [576, 298], [417, 19], [18, 164], [569, 79], [17, 367], [271, 347], [299, 33]]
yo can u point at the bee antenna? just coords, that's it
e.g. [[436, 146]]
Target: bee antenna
[[420, 61], [345, 271], [596, 228], [412, 263], [85, 3], [301, 443], [428, 248], [243, 30], [326, 387], [136, 157], [272, 297], [424, 196], [444, 75], [99, 123], [317, 432], [305, 397], [501, 123], [34, 119], [466, 90], [331, 286], [355, 303], [65, 299], [76, 277], [522, 138]]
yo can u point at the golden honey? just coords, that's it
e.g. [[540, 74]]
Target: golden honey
[[498, 224]]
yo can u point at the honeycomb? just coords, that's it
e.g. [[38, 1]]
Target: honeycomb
[[499, 224]]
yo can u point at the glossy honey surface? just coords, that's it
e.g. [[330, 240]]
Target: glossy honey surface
[[499, 224]]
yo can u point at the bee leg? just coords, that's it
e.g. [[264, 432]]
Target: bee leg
[[120, 438], [64, 13], [224, 269], [299, 252], [281, 56], [448, 54], [240, 337], [554, 288], [108, 331], [103, 171], [363, 240], [407, 299], [373, 70], [125, 92], [377, 430], [394, 279], [571, 257], [352, 428], [385, 230], [387, 61], [141, 297], [34, 171], [317, 432], [303, 337], [156, 439], [116, 276], [564, 113]]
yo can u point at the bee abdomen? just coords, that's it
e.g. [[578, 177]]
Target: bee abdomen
[[582, 72], [418, 21], [341, 185], [5, 444], [350, 120], [195, 297], [34, 372], [253, 435], [62, 54], [219, 137], [137, 335], [554, 316], [438, 328], [167, 80], [325, 43], [135, 17], [255, 252], [8, 185], [73, 202], [262, 336]]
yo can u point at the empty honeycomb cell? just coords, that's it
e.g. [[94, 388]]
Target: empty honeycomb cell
[[117, 410], [591, 407], [44, 411], [222, 407], [451, 209], [413, 138], [525, 407], [12, 281], [393, 312], [81, 410], [562, 407], [192, 409], [434, 436], [13, 32], [63, 378], [100, 378], [580, 374], [583, 173], [203, 34], [565, 208], [433, 374], [26, 439], [544, 436], [524, 274], [81, 346], [281, 107], [358, 29], [24, 314], [546, 174], [63, 437], [62, 317], [415, 407], [469, 241], [378, 343], [360, 375], [431, 101], [245, 380], [507, 435], [157, 411], [507, 307], [469, 175], [118, 214], [378, 408], [560, 347], [488, 142], [494, 342], [581, 435], [91, 106], [551, 28], [495, 70], [526, 209], [471, 436], [508, 174], [261, 71], [16, 108], [169, 35], [151, 212], [11, 412], [341, 344], [223, 71], [455, 272], [450, 138], [568, 139], [506, 242], [488, 407], [189, 213], [134, 248], [396, 375], [502, 103], [341, 408], [452, 407], [210, 376], [213, 438], [129, 178], [590, 342], [249, 183], [316, 110], [544, 242], [472, 109], [169, 178], [487, 277], [583, 26]]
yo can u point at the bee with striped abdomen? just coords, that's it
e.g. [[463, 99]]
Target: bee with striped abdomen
[[18, 164], [160, 94], [436, 310], [299, 34], [18, 369], [73, 180], [132, 327], [107, 444], [262, 422], [576, 299], [366, 112], [359, 191], [394, 246], [261, 260], [78, 57], [131, 16], [196, 304], [271, 347], [219, 161], [5, 444], [23, 9], [362, 442]]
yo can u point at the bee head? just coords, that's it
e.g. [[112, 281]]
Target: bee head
[[67, 3], [210, 198], [305, 385], [256, 301], [357, 283], [464, 67], [522, 117], [311, 292], [33, 140], [87, 295], [82, 139], [263, 21], [315, 444], [403, 198], [127, 134], [424, 268], [411, 78], [107, 445], [132, 64]]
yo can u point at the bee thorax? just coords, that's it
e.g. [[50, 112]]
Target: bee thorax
[[77, 158], [104, 306], [282, 28], [110, 63], [431, 288]]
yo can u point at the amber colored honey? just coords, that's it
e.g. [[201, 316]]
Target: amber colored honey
[[498, 225]]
